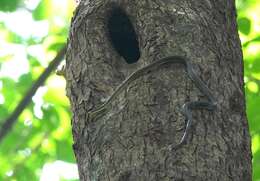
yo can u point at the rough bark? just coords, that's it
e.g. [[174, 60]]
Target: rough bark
[[131, 141]]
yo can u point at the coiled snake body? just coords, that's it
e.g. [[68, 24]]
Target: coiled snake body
[[210, 104]]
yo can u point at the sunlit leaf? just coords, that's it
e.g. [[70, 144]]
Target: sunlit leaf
[[49, 147], [56, 84], [56, 46], [64, 130], [252, 54], [34, 62], [54, 43], [15, 38], [252, 86], [6, 58], [256, 75], [244, 25], [255, 143], [9, 92], [43, 10]]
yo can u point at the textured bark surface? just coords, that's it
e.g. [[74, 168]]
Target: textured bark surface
[[130, 143]]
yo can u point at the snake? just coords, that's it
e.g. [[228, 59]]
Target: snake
[[210, 104]]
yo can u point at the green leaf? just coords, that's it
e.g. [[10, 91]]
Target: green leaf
[[14, 38], [24, 173], [244, 25], [254, 40], [64, 151], [43, 10], [34, 62], [9, 5], [50, 117], [3, 113], [256, 64], [24, 83], [10, 93], [253, 111], [56, 46], [256, 166]]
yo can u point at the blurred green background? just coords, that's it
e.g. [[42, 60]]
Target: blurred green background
[[39, 147]]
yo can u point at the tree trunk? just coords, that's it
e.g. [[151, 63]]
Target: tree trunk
[[130, 141]]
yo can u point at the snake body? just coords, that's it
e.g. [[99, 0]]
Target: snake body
[[210, 104]]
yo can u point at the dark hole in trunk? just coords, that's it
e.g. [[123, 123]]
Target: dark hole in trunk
[[122, 35]]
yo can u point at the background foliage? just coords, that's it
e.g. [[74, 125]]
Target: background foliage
[[31, 33]]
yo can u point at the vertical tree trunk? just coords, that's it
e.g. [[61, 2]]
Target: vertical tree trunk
[[130, 141]]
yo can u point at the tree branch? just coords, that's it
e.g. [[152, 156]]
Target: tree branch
[[9, 122]]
